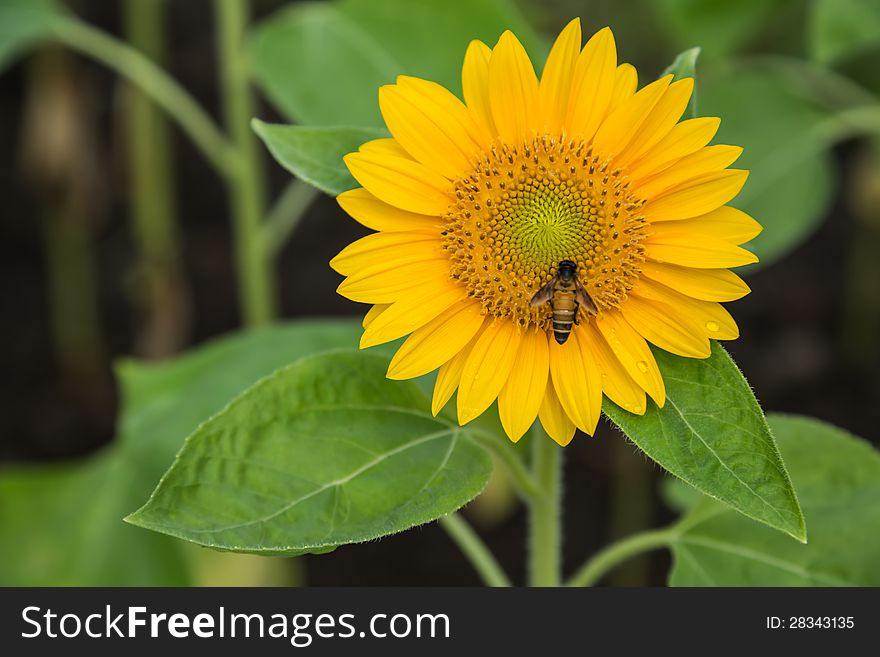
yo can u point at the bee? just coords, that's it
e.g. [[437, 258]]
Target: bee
[[565, 295]]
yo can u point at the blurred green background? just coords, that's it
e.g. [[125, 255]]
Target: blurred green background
[[120, 253]]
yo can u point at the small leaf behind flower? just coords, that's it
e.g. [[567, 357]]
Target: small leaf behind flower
[[321, 453], [712, 434], [685, 66], [314, 154]]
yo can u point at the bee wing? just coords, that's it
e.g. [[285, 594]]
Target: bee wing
[[543, 295], [583, 298]]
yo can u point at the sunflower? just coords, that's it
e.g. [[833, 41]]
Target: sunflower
[[476, 203]]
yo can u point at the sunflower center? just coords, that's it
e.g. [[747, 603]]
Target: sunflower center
[[526, 207]]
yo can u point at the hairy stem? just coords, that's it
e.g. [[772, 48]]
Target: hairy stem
[[475, 550], [613, 555]]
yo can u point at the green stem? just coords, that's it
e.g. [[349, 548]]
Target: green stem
[[165, 299], [616, 553], [255, 278], [73, 297], [475, 550], [545, 529], [154, 82], [285, 215]]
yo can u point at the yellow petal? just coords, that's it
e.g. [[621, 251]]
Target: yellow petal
[[374, 312], [696, 196], [487, 368], [475, 84], [714, 321], [617, 385], [412, 312], [577, 380], [389, 250], [378, 284], [556, 80], [526, 386], [706, 160], [378, 215], [513, 90], [725, 223], [592, 86], [659, 324], [662, 117], [623, 123], [553, 418], [634, 354], [431, 124], [626, 80], [449, 376], [668, 244], [437, 341], [384, 146], [684, 138], [705, 284], [403, 183]]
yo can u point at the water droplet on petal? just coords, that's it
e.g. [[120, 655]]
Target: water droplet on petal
[[712, 326], [643, 366]]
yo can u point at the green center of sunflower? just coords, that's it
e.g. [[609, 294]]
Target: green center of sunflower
[[525, 208]]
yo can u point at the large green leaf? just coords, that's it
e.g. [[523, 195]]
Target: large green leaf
[[322, 63], [838, 482], [791, 179], [314, 154], [24, 23], [840, 29], [164, 402], [62, 524], [712, 434], [324, 452]]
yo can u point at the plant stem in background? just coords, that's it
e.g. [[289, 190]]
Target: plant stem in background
[[163, 296], [545, 511], [285, 215], [255, 276], [631, 506], [861, 311], [475, 550], [59, 157], [154, 82], [616, 553]]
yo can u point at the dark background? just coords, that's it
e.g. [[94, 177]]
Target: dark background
[[793, 324]]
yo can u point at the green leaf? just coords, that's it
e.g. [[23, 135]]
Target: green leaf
[[842, 29], [323, 63], [780, 130], [62, 526], [314, 154], [23, 24], [838, 481], [712, 434], [685, 66], [164, 402], [324, 452]]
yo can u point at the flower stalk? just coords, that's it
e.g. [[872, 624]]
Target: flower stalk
[[545, 511]]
